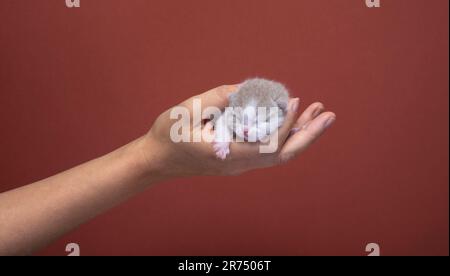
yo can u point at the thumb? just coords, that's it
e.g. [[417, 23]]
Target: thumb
[[217, 97]]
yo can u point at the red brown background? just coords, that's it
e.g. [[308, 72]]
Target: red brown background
[[78, 83]]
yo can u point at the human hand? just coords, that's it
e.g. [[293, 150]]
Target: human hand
[[172, 159]]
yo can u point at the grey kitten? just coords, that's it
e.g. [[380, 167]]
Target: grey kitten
[[256, 110]]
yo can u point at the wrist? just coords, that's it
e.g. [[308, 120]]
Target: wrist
[[151, 158]]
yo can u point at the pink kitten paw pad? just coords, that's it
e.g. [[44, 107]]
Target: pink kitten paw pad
[[221, 150]]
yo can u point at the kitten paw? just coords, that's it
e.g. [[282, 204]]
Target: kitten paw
[[222, 149]]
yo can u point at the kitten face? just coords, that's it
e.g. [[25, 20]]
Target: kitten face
[[255, 122], [259, 107]]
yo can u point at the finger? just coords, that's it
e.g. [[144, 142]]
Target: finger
[[289, 120], [309, 114], [210, 103], [307, 135]]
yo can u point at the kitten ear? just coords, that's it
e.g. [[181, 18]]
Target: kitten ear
[[282, 102]]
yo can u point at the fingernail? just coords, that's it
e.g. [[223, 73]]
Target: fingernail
[[316, 112], [295, 104], [329, 122]]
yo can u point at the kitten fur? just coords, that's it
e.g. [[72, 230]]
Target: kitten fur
[[266, 93], [243, 121]]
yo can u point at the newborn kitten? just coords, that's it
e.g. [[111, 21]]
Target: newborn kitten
[[258, 109]]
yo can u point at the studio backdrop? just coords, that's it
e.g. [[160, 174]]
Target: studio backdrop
[[76, 83]]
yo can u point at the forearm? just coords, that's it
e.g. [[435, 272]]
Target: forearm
[[34, 215]]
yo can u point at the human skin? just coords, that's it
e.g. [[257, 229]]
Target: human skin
[[34, 215]]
